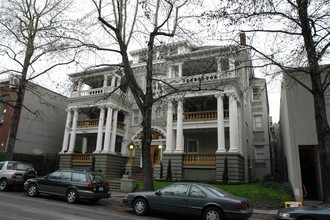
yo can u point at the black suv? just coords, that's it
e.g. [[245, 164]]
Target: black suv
[[71, 184], [15, 173]]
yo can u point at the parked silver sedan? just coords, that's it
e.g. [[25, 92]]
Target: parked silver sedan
[[196, 199]]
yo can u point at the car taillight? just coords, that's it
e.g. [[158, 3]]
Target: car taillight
[[242, 206], [14, 176]]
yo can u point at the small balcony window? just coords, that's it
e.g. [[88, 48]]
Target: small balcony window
[[192, 146]]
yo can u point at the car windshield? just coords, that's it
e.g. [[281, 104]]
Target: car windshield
[[98, 179], [217, 191]]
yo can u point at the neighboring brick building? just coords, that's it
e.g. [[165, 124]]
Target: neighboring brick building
[[42, 119]]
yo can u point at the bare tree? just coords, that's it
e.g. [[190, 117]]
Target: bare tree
[[33, 43], [124, 20], [296, 40]]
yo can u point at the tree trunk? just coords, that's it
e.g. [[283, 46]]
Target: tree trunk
[[15, 121], [322, 126], [146, 144]]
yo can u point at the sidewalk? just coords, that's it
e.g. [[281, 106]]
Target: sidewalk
[[117, 197]]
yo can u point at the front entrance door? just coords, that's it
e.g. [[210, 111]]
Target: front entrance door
[[309, 170], [154, 154]]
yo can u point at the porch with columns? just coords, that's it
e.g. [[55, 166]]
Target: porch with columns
[[210, 164], [104, 156]]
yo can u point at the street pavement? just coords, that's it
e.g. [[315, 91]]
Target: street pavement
[[16, 205]]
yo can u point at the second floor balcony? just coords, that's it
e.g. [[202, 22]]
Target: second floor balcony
[[201, 115], [93, 123]]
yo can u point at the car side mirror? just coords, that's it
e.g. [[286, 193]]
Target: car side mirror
[[158, 193]]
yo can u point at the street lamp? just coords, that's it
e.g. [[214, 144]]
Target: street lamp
[[160, 147], [131, 148]]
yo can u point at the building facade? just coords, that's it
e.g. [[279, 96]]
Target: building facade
[[42, 119], [298, 137], [209, 106]]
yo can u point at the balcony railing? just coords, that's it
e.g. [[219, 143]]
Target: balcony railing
[[202, 115], [199, 159], [95, 123], [82, 158], [97, 91], [204, 77]]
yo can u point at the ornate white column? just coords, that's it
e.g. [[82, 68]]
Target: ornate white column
[[66, 132], [169, 127], [221, 124], [124, 149], [99, 139], [84, 145], [80, 82], [233, 125], [73, 131], [113, 81], [114, 131], [105, 81], [106, 147], [179, 129], [180, 69]]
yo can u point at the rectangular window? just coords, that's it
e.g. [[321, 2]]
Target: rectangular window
[[136, 117], [192, 146], [259, 149], [257, 120], [224, 64], [256, 94], [175, 71]]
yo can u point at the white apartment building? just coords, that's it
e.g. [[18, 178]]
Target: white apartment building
[[216, 109]]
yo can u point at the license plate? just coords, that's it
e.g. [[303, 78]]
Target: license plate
[[101, 189]]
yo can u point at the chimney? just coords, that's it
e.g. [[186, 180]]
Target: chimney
[[242, 39]]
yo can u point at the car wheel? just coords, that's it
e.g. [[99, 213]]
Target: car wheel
[[140, 206], [72, 196], [213, 213], [32, 190], [3, 185]]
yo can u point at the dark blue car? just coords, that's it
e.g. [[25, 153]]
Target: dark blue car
[[319, 212], [203, 200], [71, 184]]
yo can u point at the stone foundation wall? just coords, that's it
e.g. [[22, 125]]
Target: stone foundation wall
[[235, 167]]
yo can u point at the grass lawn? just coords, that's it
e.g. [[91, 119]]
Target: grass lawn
[[259, 195]]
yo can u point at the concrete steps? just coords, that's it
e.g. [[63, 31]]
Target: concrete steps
[[114, 186]]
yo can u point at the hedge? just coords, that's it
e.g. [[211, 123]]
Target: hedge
[[36, 160]]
